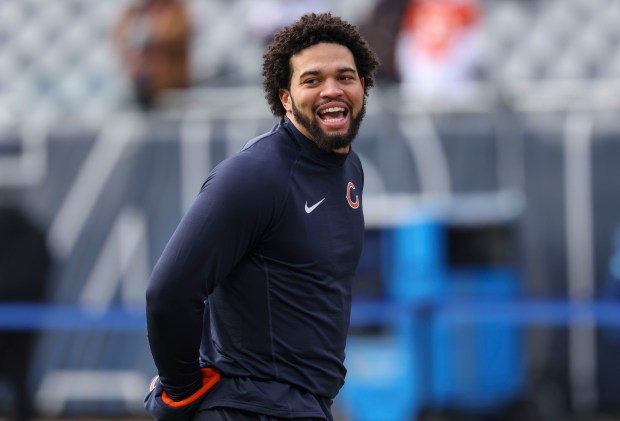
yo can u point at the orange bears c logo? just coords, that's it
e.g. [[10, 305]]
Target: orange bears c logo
[[354, 204]]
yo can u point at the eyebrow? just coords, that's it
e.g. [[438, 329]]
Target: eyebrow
[[318, 72]]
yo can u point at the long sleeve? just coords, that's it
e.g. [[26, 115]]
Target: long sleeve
[[265, 259], [221, 226]]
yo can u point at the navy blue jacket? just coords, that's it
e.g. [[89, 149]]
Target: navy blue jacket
[[258, 277]]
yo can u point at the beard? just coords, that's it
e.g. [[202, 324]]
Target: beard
[[325, 141]]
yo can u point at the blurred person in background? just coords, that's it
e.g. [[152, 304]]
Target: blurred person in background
[[152, 39], [248, 307], [24, 266], [439, 48], [381, 29]]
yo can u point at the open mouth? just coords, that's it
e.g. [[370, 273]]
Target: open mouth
[[333, 115]]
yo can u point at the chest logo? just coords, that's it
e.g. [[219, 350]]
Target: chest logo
[[353, 203], [313, 207]]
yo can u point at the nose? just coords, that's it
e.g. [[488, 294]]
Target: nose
[[331, 89]]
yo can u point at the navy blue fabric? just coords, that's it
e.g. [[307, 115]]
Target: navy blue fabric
[[258, 276], [228, 414]]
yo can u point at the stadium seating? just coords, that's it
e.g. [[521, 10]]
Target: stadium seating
[[57, 60]]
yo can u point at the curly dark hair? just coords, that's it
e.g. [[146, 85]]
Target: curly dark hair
[[309, 30]]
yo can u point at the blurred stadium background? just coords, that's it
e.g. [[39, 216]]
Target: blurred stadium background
[[488, 281]]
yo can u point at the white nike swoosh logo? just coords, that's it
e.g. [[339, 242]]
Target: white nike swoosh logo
[[313, 207]]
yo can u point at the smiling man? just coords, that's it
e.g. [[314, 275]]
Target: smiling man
[[248, 307], [325, 100]]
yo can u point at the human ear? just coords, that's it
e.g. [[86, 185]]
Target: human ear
[[285, 99]]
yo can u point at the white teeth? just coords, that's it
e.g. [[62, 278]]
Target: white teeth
[[332, 110]]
